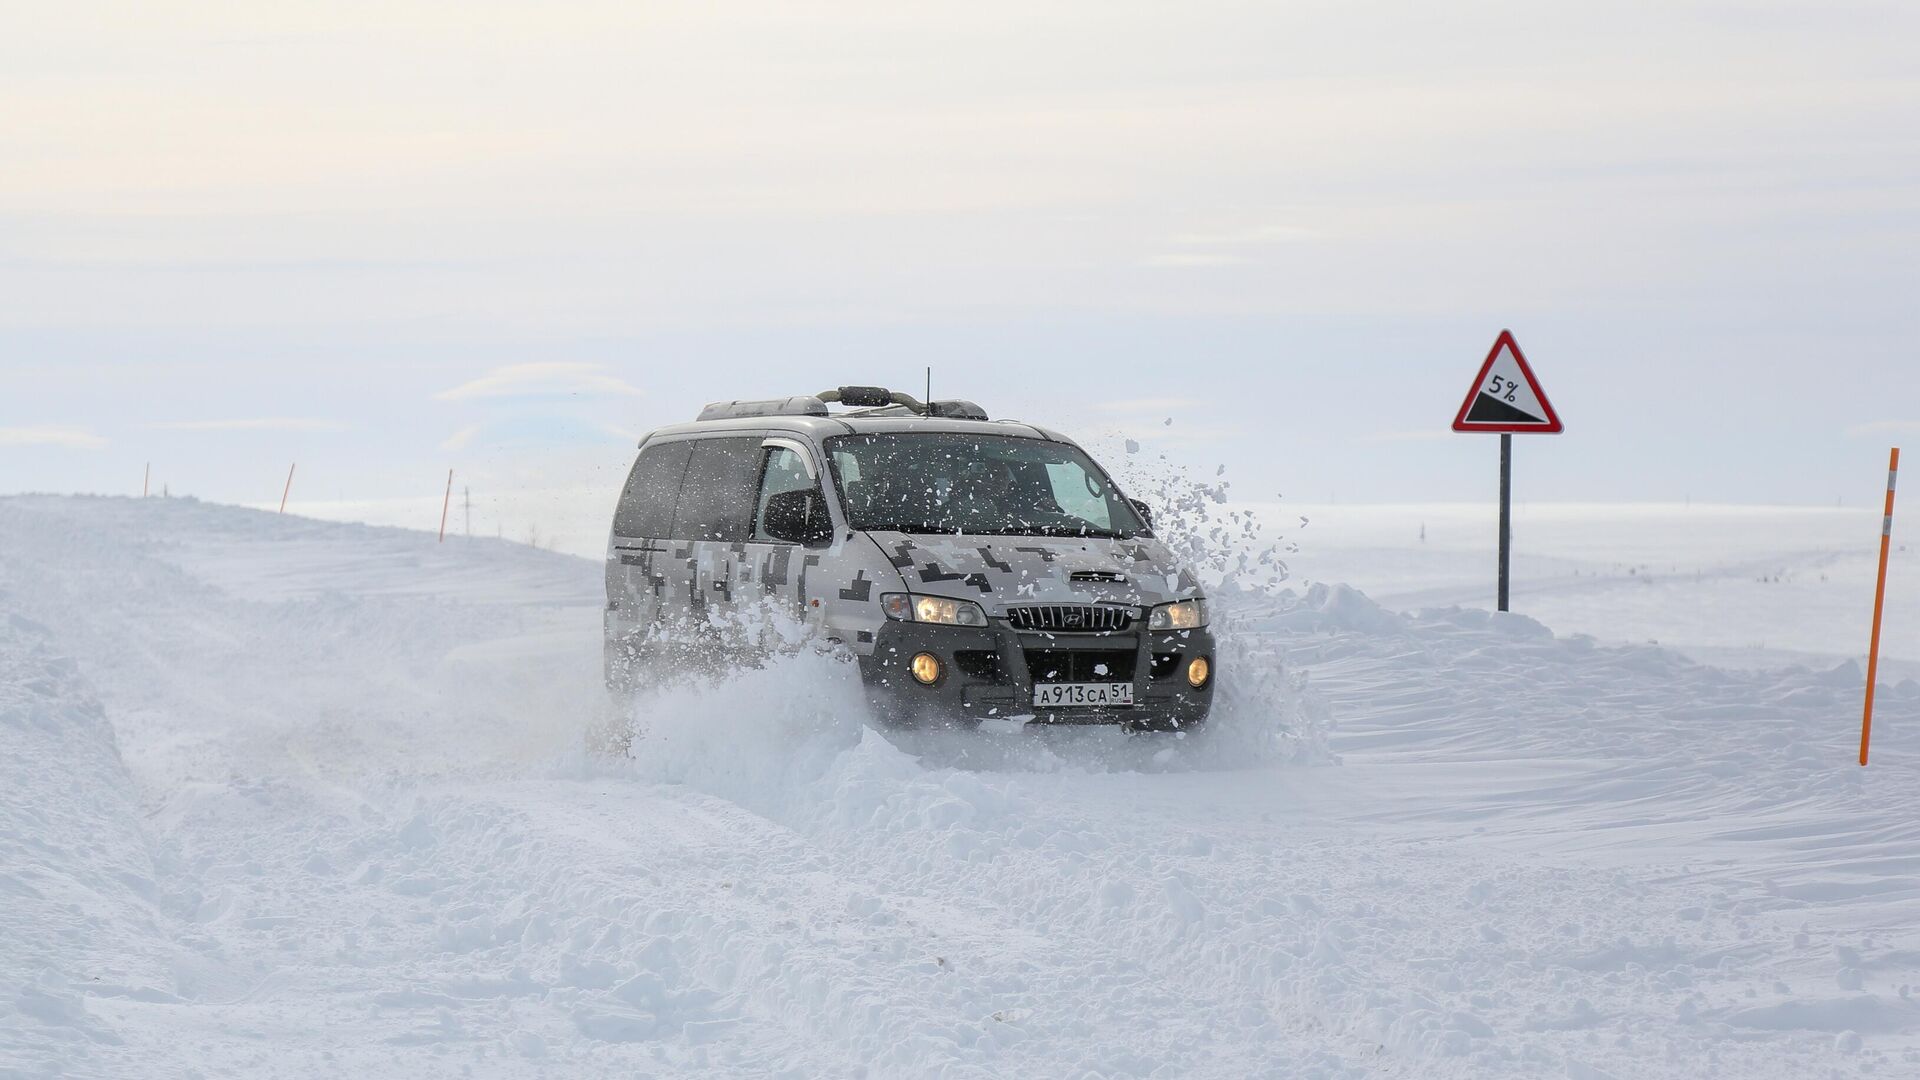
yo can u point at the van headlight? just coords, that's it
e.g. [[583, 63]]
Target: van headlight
[[902, 607], [1179, 615]]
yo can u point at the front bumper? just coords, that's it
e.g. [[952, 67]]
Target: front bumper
[[989, 673]]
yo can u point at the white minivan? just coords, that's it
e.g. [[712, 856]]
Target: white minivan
[[976, 569]]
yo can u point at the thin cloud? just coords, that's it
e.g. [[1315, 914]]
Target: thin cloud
[[1147, 405], [540, 380], [1203, 250], [72, 438], [459, 439], [255, 423], [1190, 260], [1158, 435], [1258, 236], [544, 429], [1884, 427], [1415, 435]]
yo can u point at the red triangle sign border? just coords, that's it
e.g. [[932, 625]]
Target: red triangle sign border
[[1552, 426]]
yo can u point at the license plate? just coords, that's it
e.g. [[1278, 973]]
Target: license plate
[[1082, 694]]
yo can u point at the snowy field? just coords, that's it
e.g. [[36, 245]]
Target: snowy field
[[289, 798], [1737, 585]]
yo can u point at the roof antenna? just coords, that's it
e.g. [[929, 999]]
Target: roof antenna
[[929, 398]]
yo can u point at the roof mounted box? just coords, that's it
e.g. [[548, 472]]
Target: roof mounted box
[[956, 409], [802, 405]]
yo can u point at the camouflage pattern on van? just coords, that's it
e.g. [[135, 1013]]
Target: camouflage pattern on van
[[657, 587], [672, 588], [999, 571]]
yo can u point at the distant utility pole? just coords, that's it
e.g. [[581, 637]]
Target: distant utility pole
[[466, 505]]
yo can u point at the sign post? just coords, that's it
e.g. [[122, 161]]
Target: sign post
[[1506, 514], [1506, 398]]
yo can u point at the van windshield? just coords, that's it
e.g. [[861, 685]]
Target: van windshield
[[943, 482]]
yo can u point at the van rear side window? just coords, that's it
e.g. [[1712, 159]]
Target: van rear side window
[[646, 505], [717, 497]]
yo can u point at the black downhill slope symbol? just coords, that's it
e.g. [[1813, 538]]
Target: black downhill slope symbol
[[1046, 555], [986, 553], [861, 588], [1488, 409], [902, 556]]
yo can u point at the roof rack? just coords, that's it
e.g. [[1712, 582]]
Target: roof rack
[[870, 400]]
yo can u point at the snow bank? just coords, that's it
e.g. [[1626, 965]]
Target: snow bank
[[78, 884], [350, 830]]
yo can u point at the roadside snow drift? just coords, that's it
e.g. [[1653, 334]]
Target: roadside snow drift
[[285, 798]]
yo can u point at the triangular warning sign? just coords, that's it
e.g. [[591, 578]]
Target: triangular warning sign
[[1505, 396]]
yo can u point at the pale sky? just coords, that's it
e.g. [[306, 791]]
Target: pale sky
[[385, 239]]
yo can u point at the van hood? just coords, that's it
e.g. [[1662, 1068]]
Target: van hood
[[996, 571]]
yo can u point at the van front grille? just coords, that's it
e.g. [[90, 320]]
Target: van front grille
[[1071, 618]]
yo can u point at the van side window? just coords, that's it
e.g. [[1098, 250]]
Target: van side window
[[646, 504], [785, 471], [717, 496]]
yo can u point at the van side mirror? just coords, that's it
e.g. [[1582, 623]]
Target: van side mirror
[[798, 517], [1140, 508]]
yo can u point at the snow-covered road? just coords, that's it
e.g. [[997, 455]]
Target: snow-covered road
[[290, 798]]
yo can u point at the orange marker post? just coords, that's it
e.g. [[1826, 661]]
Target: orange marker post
[[1879, 599], [289, 488], [444, 503]]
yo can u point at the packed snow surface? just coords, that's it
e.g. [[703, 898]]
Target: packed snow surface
[[289, 798]]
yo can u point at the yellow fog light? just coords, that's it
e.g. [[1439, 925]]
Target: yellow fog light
[[926, 668], [1197, 672]]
